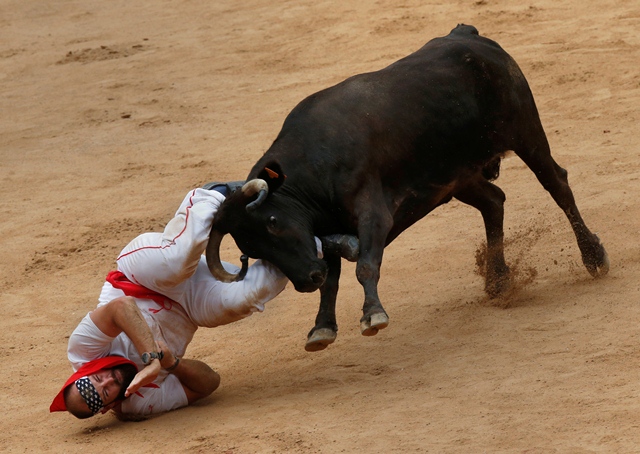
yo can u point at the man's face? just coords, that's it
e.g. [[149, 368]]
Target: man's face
[[101, 390], [108, 383]]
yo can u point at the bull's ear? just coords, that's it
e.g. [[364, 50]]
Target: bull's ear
[[274, 176]]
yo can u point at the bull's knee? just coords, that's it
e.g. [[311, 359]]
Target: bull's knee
[[365, 272]]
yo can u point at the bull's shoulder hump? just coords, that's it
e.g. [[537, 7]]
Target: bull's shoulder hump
[[463, 29], [443, 50], [462, 33]]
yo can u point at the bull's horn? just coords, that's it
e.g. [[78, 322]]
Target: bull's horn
[[252, 187], [215, 264]]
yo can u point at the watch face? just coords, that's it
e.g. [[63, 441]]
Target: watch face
[[148, 357]]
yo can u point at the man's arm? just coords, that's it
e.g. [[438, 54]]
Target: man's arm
[[197, 378], [122, 315]]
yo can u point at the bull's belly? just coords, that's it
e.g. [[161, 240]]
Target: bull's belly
[[414, 206]]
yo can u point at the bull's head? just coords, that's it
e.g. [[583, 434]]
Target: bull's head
[[269, 223]]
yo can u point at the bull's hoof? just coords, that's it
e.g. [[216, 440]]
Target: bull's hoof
[[498, 286], [597, 263], [320, 339], [369, 326]]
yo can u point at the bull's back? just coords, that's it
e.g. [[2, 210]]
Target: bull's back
[[429, 108], [415, 126]]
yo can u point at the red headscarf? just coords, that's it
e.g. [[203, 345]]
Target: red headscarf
[[89, 368]]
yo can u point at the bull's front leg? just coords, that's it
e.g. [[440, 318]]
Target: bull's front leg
[[373, 234], [325, 331], [374, 318]]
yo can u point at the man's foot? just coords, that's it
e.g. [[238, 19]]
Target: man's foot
[[347, 246], [224, 188]]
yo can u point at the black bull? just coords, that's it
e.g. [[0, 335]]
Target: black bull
[[377, 152]]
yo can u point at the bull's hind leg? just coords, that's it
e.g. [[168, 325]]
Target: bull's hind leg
[[554, 179], [325, 331], [489, 200]]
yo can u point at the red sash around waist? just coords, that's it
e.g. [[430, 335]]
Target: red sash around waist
[[118, 280]]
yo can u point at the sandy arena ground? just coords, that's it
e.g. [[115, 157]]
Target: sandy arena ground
[[111, 111]]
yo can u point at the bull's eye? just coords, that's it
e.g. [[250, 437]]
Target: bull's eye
[[273, 222]]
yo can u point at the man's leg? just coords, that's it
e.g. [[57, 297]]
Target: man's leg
[[162, 261]]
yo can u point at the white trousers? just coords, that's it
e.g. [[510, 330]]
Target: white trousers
[[171, 263]]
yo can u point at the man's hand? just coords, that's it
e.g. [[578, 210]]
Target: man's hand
[[144, 377]]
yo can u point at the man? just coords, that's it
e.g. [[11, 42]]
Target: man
[[128, 354]]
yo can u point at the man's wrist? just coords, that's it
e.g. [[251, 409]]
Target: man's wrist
[[174, 365]]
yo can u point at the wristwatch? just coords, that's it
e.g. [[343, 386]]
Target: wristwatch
[[147, 357]]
